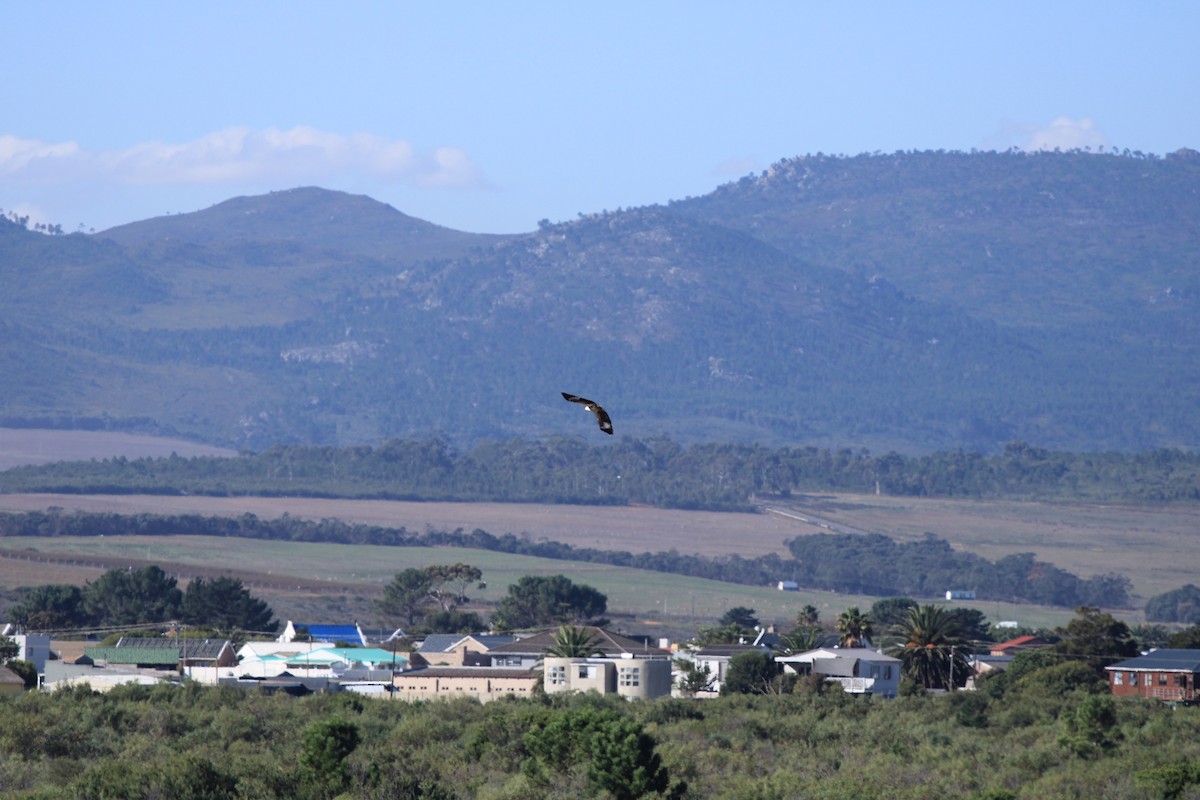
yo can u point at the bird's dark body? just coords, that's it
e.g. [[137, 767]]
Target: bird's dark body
[[602, 418]]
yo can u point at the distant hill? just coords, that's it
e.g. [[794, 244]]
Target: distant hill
[[307, 216], [912, 301]]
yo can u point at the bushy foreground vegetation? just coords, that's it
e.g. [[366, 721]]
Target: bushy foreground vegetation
[[655, 472], [1047, 734]]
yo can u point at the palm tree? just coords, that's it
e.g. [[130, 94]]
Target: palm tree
[[572, 642], [807, 617], [932, 647], [854, 627], [801, 640]]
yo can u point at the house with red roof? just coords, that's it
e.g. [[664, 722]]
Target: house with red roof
[[1017, 645]]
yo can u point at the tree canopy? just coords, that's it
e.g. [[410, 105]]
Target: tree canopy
[[224, 604], [126, 597], [536, 601]]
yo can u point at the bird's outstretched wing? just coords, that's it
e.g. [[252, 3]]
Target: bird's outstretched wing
[[602, 418]]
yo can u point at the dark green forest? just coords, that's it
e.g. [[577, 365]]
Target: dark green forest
[[1042, 731], [657, 472]]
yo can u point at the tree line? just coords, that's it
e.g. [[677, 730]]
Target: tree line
[[121, 598], [657, 472], [869, 564]]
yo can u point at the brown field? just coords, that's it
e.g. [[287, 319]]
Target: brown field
[[20, 446], [635, 529], [1155, 546]]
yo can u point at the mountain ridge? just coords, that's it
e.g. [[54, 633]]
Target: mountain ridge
[[915, 301]]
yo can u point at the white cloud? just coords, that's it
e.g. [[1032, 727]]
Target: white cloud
[[1065, 133], [239, 155]]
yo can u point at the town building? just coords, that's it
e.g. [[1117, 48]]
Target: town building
[[1167, 674], [859, 670]]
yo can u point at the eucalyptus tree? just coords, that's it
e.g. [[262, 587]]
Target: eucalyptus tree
[[407, 596]]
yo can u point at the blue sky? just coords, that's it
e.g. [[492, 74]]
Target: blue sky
[[488, 117]]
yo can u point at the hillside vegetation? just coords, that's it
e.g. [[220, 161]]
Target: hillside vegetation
[[913, 302]]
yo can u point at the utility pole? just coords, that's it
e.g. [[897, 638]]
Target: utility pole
[[952, 668]]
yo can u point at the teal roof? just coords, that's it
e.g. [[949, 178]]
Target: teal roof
[[373, 655]]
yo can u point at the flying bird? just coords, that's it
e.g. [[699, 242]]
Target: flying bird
[[602, 417]]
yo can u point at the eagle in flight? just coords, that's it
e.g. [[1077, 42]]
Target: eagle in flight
[[602, 417]]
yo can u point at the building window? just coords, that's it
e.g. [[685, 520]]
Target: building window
[[629, 676], [1149, 679], [557, 676], [585, 672], [1162, 679], [1118, 678]]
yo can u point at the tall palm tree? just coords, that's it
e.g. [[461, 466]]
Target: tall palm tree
[[572, 642], [807, 617], [932, 647], [800, 640], [854, 627]]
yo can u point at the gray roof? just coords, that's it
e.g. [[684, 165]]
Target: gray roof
[[1164, 660], [612, 644], [491, 640], [838, 667], [195, 648], [730, 650], [439, 642]]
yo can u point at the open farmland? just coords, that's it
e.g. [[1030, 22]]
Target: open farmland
[[306, 581], [1154, 546], [635, 529]]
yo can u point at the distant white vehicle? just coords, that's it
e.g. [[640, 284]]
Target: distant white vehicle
[[788, 586], [959, 594]]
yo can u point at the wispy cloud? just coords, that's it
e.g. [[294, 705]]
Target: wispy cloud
[[239, 155], [1065, 133], [736, 167]]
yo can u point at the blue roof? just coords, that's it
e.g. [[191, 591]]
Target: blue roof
[[1163, 660], [331, 633]]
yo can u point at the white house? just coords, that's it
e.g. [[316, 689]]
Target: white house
[[859, 670], [266, 660]]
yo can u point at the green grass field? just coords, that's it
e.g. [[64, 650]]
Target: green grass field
[[335, 581]]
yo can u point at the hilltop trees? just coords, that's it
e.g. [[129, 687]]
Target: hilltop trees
[[535, 601], [132, 596], [1097, 637], [1177, 605], [224, 604], [407, 596], [51, 607], [412, 594], [124, 597]]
